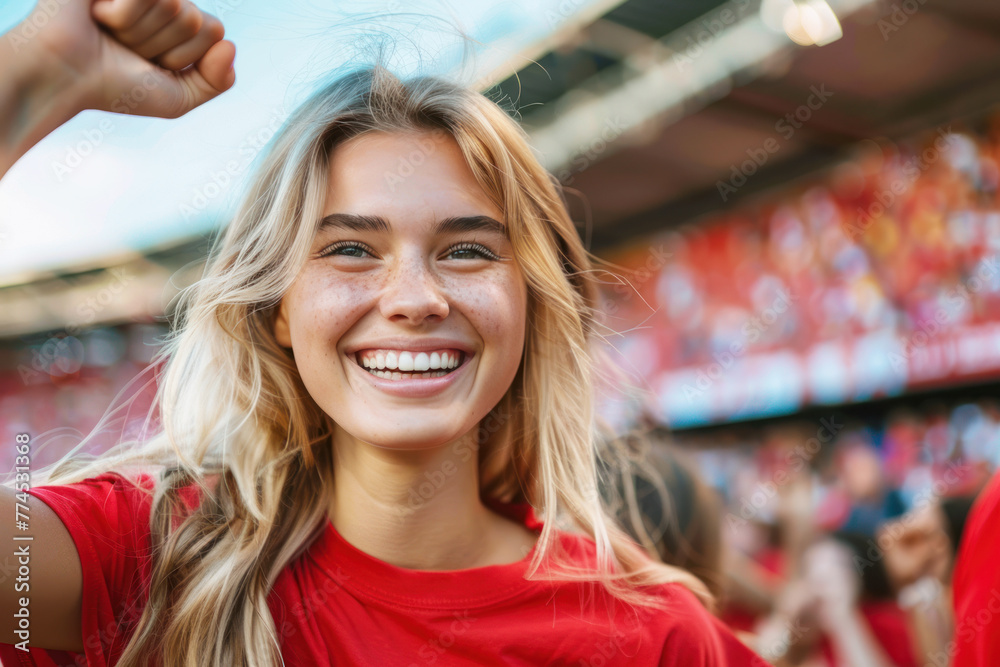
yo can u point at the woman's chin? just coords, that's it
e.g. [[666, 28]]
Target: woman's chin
[[409, 438]]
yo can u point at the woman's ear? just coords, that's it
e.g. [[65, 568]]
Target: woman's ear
[[280, 326]]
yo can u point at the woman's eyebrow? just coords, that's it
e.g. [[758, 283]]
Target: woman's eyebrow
[[375, 223]]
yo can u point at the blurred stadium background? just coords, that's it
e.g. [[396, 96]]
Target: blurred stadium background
[[803, 203]]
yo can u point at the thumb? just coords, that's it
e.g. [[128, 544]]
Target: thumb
[[210, 76], [216, 68]]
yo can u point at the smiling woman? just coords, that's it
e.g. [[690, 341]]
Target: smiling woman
[[377, 423]]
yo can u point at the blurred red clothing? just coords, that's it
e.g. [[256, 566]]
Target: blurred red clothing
[[335, 604], [890, 627], [976, 585]]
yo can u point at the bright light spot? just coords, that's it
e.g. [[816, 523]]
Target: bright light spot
[[806, 22]]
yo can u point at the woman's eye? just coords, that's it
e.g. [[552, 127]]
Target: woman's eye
[[346, 249], [471, 251]]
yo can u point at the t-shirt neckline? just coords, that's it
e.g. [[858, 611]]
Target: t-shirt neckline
[[388, 584]]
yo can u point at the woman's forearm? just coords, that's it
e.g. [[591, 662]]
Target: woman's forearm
[[36, 97]]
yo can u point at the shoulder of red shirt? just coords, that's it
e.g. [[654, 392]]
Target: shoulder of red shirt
[[692, 636]]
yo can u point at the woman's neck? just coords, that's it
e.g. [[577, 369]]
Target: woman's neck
[[419, 509]]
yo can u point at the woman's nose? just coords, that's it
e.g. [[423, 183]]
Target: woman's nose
[[413, 293]]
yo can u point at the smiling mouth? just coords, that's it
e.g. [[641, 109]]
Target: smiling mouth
[[408, 365]]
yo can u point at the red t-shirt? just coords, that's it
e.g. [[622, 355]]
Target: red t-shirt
[[976, 584], [336, 605]]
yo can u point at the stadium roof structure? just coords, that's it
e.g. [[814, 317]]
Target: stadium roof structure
[[648, 108]]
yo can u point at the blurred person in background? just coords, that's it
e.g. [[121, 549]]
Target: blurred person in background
[[836, 613], [666, 507], [661, 500], [918, 553], [871, 500]]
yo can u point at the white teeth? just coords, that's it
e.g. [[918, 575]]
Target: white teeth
[[421, 362], [405, 361]]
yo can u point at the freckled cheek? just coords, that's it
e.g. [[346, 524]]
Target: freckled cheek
[[329, 308], [495, 307]]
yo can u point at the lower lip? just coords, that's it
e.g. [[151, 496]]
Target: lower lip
[[415, 388]]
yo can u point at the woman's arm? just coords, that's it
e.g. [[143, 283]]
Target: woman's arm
[[147, 57], [44, 572]]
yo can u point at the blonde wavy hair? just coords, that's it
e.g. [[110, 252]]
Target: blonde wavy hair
[[237, 424]]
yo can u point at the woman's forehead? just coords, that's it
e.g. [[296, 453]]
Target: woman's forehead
[[398, 176]]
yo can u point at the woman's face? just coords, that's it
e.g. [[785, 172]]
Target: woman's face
[[411, 275]]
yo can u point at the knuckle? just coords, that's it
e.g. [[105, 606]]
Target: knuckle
[[171, 61], [191, 23], [116, 19], [172, 8], [213, 27], [215, 30]]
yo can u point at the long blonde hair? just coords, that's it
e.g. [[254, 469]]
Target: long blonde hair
[[238, 424]]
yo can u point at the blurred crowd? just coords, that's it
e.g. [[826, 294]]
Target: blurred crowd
[[827, 543], [59, 388], [891, 240]]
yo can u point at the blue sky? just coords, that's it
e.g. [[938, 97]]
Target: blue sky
[[105, 184]]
